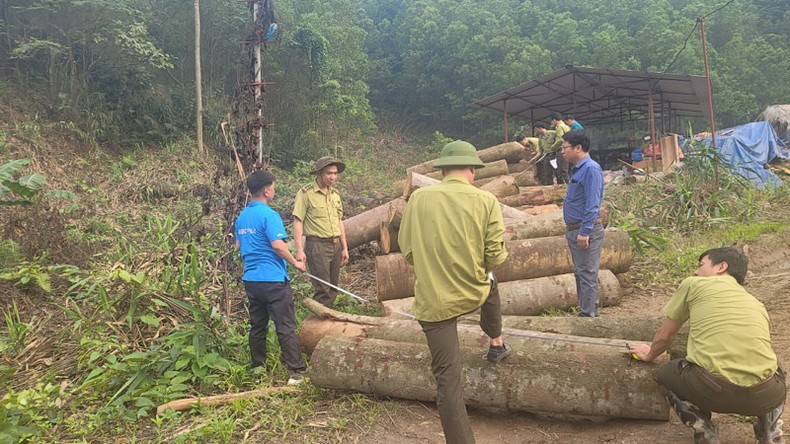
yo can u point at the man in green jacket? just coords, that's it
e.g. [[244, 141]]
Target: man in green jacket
[[453, 234], [730, 366]]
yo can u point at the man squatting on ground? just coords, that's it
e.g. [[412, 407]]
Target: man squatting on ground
[[318, 215], [730, 366], [453, 234], [260, 236], [581, 211]]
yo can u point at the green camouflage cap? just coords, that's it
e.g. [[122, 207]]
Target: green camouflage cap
[[459, 154], [325, 161]]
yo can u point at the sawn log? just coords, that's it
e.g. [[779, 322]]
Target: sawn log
[[365, 227], [512, 152], [599, 384], [539, 195], [527, 259]]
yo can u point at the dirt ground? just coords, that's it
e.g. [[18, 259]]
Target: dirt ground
[[768, 280]]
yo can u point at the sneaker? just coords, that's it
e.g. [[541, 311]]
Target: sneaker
[[297, 378], [498, 353]]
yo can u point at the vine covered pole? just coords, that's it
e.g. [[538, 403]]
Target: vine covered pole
[[701, 21], [198, 80], [258, 69]]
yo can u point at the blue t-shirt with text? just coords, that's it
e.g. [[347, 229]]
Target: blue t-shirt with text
[[256, 227]]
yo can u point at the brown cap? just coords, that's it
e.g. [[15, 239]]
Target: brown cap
[[325, 161]]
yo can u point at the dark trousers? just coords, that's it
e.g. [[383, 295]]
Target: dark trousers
[[562, 173], [585, 269], [681, 377], [273, 300], [544, 172], [442, 339], [323, 261]]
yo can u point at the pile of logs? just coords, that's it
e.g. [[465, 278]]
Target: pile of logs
[[560, 365], [548, 373], [538, 273]]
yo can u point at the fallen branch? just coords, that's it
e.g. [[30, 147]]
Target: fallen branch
[[184, 404]]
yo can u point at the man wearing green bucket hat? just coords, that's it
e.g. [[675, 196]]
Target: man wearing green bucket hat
[[453, 234], [318, 214]]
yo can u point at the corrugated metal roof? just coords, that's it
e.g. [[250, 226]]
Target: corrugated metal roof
[[599, 95]]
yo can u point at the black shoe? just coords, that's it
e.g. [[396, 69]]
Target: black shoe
[[498, 353]]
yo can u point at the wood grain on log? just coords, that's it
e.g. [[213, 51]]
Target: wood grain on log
[[527, 259], [501, 186], [593, 384]]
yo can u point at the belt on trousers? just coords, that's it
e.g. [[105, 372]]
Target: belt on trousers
[[577, 225], [327, 240], [718, 384]]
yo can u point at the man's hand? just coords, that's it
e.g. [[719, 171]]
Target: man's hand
[[300, 257], [300, 265], [583, 241], [641, 351], [344, 256]]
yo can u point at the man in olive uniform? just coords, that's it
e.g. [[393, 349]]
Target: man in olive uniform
[[562, 172], [731, 366], [318, 215], [453, 234], [546, 140]]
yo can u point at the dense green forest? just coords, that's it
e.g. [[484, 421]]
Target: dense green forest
[[122, 71]]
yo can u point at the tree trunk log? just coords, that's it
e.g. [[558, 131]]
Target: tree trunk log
[[519, 167], [492, 169], [541, 225], [527, 259], [534, 296], [388, 238], [364, 227], [598, 384], [416, 180], [329, 322], [501, 186], [511, 152], [640, 328], [526, 178], [539, 209], [540, 195]]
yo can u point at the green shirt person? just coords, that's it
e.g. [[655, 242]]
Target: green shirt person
[[453, 234], [730, 366], [318, 215]]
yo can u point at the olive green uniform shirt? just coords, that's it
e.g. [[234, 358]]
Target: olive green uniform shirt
[[320, 212], [547, 141], [730, 332], [452, 233], [560, 130]]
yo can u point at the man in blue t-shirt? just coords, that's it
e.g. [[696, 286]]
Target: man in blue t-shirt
[[260, 237]]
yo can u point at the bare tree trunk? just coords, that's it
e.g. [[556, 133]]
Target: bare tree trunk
[[527, 259], [365, 227], [416, 180], [540, 195], [501, 186], [598, 384], [198, 80], [511, 152], [492, 169]]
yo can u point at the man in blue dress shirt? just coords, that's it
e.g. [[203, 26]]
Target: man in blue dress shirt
[[581, 211], [260, 236]]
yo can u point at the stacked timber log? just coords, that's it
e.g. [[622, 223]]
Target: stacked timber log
[[535, 277], [547, 372]]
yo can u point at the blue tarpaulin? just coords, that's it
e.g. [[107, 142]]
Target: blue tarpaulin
[[747, 148]]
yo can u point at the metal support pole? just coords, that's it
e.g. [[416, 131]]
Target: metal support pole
[[652, 117], [701, 21]]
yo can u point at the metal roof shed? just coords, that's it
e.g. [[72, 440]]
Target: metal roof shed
[[601, 95]]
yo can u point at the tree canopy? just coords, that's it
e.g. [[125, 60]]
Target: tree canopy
[[123, 71]]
